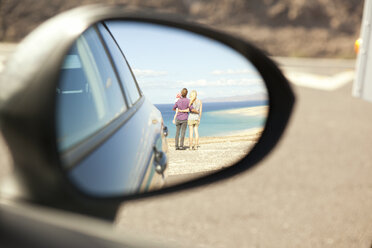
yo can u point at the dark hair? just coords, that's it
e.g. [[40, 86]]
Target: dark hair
[[184, 92]]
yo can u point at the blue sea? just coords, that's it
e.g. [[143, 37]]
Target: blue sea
[[214, 123]]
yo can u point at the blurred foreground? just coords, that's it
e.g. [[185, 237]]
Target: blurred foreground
[[317, 28]]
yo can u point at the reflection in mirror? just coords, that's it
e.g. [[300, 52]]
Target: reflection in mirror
[[142, 106]]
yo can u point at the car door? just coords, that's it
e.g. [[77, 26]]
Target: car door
[[101, 113], [132, 91]]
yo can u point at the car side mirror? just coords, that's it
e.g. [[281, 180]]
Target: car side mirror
[[87, 118]]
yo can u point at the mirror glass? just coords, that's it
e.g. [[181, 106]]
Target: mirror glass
[[142, 106]]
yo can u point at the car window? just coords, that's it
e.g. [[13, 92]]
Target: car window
[[126, 77], [88, 95]]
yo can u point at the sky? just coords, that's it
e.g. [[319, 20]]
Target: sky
[[165, 60]]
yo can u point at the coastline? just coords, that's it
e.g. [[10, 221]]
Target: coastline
[[247, 111], [214, 153], [226, 122]]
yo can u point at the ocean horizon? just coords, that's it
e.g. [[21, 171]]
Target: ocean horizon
[[215, 121]]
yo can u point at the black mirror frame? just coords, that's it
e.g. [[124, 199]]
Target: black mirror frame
[[27, 106]]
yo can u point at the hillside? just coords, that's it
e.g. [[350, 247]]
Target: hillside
[[316, 28]]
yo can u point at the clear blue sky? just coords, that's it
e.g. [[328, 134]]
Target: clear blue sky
[[165, 60]]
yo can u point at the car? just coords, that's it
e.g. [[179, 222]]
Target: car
[[98, 95], [83, 140]]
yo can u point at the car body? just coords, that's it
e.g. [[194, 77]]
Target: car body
[[100, 116]]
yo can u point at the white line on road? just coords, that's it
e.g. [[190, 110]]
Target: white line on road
[[320, 82]]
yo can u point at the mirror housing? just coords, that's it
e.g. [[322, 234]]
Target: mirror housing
[[27, 110]]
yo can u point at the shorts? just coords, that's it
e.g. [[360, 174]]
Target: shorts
[[193, 122]]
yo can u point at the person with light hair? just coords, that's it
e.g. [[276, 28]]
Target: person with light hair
[[194, 119], [181, 118]]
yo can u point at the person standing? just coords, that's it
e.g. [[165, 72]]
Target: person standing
[[181, 118], [194, 119]]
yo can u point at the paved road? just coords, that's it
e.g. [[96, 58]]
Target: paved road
[[6, 49], [314, 190]]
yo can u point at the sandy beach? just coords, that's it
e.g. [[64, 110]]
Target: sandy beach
[[248, 111], [213, 154]]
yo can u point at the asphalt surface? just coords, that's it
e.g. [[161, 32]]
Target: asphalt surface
[[6, 49], [313, 190]]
